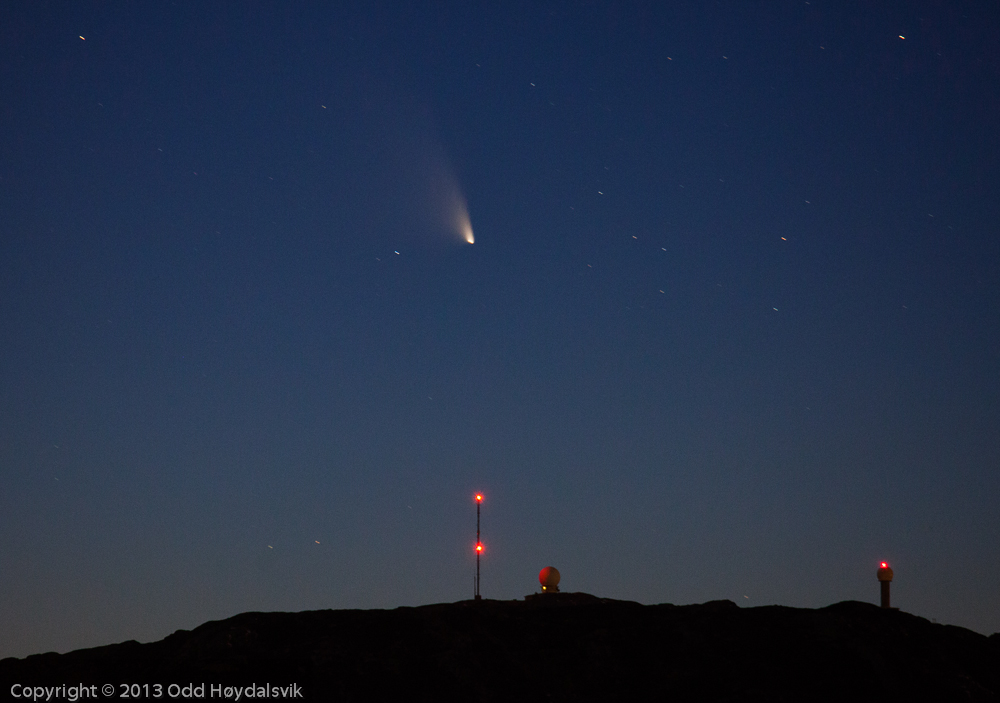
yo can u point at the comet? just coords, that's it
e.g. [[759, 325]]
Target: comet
[[434, 202], [455, 209], [462, 222]]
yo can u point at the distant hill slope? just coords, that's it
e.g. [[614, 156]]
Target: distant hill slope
[[564, 647]]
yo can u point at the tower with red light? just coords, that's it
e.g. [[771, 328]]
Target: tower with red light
[[479, 544], [884, 575]]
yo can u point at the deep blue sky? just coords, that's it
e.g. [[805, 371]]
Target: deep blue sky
[[730, 327]]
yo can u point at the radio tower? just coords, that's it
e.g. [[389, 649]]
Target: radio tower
[[479, 545]]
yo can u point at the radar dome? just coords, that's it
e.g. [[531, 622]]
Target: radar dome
[[884, 572], [549, 578]]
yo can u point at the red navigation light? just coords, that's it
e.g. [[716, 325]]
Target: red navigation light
[[479, 547], [479, 497], [884, 565]]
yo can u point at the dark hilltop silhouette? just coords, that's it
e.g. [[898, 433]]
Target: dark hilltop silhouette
[[556, 647]]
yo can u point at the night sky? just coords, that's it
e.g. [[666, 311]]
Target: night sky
[[730, 327]]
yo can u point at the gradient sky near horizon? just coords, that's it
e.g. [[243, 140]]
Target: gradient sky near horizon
[[730, 327]]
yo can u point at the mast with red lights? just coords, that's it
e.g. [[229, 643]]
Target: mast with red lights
[[479, 544]]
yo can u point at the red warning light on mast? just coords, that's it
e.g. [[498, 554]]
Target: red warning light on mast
[[479, 497], [479, 548]]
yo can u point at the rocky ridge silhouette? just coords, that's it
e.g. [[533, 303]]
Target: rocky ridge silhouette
[[556, 647]]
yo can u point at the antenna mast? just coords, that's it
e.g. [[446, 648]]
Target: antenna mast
[[479, 544]]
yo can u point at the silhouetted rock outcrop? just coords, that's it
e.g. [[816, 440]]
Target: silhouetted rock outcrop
[[560, 647]]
